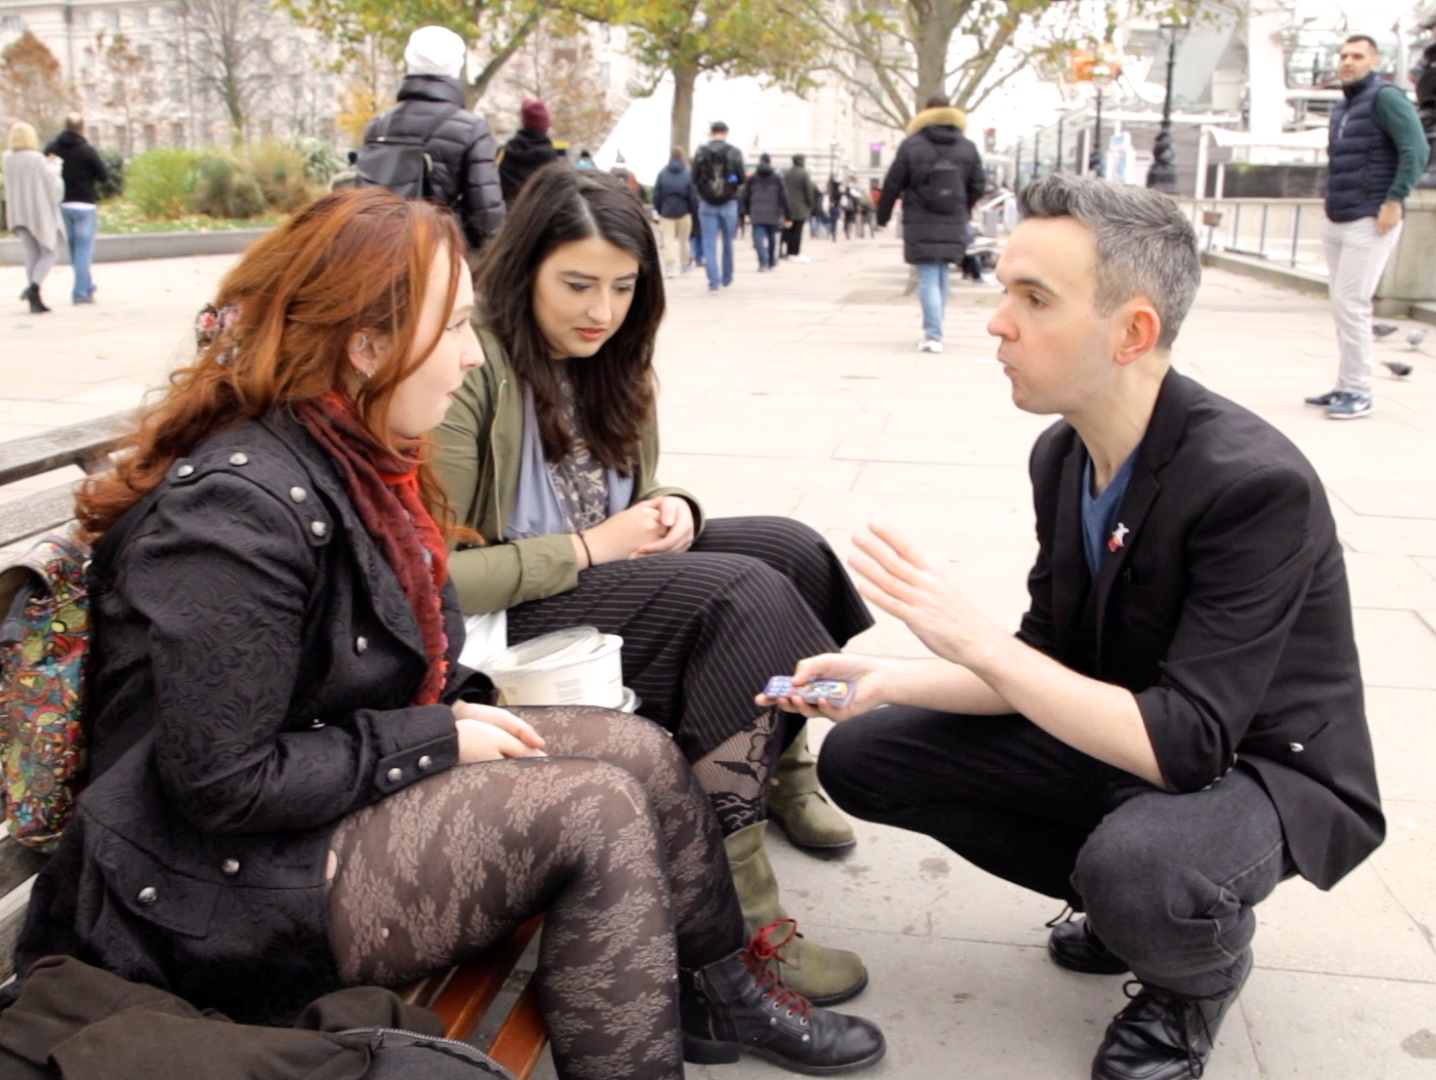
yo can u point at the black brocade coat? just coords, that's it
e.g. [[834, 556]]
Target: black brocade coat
[[253, 667]]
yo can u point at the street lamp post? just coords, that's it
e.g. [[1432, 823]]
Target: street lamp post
[[1058, 166], [1162, 176], [1036, 154], [1102, 75]]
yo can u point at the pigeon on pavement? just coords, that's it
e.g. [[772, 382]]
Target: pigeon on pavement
[[1383, 329], [1398, 369], [1415, 338]]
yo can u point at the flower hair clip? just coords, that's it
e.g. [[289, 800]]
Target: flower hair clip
[[212, 323]]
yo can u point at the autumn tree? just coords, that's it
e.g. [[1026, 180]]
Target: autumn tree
[[119, 75], [229, 54], [366, 90], [895, 54], [30, 85], [495, 29], [768, 39], [557, 66]]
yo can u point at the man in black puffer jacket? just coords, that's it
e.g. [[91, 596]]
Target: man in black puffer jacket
[[460, 145], [938, 175]]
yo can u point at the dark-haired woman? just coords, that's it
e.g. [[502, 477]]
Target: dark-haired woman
[[550, 453], [294, 784]]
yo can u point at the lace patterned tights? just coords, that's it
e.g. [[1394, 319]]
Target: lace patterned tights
[[611, 835]]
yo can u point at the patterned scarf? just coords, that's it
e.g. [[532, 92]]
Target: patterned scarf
[[385, 491]]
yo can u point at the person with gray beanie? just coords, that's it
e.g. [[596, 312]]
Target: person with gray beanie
[[464, 175]]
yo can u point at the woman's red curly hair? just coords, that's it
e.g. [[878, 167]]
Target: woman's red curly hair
[[352, 262]]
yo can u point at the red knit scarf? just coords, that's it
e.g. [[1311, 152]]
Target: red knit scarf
[[385, 491]]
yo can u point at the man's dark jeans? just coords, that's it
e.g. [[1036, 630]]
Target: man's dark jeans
[[1168, 881]]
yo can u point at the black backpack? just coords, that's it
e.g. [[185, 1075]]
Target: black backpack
[[943, 189], [400, 163], [712, 172]]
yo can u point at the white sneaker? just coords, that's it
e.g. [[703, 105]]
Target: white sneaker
[[801, 259], [928, 345]]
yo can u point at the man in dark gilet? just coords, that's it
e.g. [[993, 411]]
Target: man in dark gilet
[[1377, 151]]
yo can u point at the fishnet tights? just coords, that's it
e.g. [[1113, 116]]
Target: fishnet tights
[[610, 835], [736, 773]]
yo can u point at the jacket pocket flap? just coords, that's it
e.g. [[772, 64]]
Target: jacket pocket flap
[[153, 892]]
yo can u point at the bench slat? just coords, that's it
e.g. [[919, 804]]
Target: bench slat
[[472, 987], [34, 514], [520, 1041], [76, 444], [16, 863]]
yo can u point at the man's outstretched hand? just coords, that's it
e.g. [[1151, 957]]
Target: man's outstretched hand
[[903, 582]]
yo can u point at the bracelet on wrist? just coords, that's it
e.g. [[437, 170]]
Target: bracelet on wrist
[[586, 552]]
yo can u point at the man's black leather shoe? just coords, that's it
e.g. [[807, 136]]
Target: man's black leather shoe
[[1075, 947], [1162, 1036]]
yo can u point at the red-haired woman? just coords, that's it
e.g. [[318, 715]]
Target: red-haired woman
[[294, 784]]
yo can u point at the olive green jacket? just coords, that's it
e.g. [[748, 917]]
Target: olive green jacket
[[479, 447]]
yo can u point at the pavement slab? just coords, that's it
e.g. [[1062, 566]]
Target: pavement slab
[[801, 392]]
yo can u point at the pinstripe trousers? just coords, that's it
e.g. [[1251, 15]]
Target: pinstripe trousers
[[704, 629]]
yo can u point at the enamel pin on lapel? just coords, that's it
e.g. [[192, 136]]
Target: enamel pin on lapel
[[1118, 538]]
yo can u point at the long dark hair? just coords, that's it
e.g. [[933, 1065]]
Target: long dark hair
[[613, 391]]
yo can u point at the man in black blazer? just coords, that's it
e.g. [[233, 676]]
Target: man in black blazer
[[1178, 724]]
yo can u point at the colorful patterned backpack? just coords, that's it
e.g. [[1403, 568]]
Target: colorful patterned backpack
[[44, 643]]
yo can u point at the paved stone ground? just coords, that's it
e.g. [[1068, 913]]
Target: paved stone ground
[[800, 393]]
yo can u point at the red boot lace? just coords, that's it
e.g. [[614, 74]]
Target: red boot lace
[[763, 949]]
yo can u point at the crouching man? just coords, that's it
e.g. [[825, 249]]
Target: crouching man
[[1178, 725]]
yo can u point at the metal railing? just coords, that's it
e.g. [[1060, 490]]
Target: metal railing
[[1287, 231]]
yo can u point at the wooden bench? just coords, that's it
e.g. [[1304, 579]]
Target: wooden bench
[[462, 996]]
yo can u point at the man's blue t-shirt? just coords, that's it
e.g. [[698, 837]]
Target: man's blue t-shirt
[[1099, 512]]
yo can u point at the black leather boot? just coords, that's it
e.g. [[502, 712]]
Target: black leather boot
[[1164, 1036], [32, 294], [737, 1005], [1074, 946]]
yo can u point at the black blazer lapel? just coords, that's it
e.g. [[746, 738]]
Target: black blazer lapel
[[1069, 560], [1159, 444]]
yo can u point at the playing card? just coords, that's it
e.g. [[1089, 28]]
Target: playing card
[[837, 692]]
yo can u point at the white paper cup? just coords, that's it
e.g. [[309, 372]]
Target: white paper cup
[[579, 666]]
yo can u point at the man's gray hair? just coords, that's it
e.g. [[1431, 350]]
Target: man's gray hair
[[74, 121], [1145, 244]]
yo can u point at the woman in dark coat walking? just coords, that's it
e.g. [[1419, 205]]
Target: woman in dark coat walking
[[294, 784]]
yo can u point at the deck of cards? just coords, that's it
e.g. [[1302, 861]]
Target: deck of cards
[[836, 692]]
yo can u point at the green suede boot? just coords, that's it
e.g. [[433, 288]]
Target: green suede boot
[[801, 810], [822, 975]]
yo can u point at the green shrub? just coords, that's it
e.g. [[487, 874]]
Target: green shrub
[[115, 166], [280, 170], [161, 182], [226, 188], [321, 160]]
